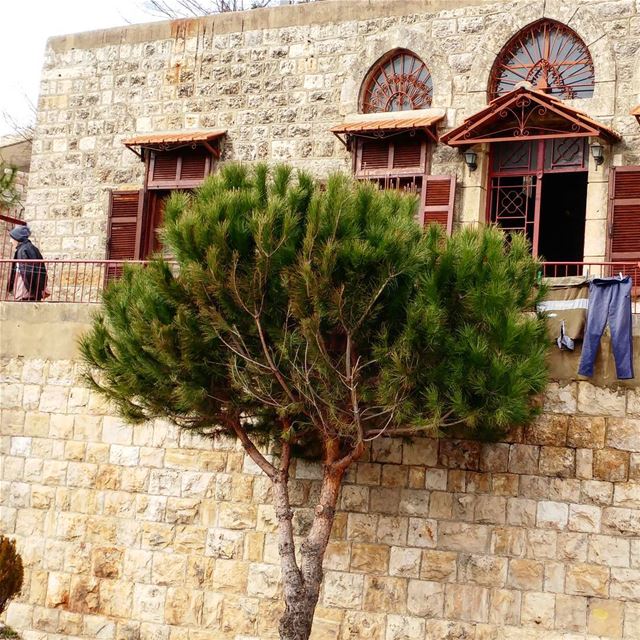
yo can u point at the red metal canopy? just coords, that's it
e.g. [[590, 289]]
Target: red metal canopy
[[526, 114], [164, 140], [381, 125], [175, 137]]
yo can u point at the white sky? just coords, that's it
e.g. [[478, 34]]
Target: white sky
[[26, 25]]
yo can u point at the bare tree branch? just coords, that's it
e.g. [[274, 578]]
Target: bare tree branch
[[23, 129], [176, 9]]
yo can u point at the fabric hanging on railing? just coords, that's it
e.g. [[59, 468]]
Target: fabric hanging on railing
[[566, 305], [609, 302]]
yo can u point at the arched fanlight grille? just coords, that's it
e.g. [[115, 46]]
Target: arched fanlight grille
[[549, 55], [398, 82]]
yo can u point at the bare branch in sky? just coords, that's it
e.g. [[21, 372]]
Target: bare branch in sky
[[193, 8], [22, 129]]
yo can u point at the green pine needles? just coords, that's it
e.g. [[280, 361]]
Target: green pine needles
[[307, 313]]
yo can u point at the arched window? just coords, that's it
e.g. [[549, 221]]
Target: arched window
[[549, 55], [399, 81]]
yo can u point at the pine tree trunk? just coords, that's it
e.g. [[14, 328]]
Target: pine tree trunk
[[301, 586]]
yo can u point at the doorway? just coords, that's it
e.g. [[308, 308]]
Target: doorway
[[562, 217], [539, 188]]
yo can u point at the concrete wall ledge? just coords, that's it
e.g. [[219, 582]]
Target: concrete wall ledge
[[43, 330], [51, 331]]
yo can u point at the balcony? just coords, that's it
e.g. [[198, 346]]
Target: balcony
[[83, 281]]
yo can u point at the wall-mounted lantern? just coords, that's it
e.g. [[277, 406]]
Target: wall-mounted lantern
[[471, 159], [597, 151]]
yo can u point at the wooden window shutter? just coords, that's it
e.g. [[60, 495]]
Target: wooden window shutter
[[124, 226], [438, 193], [408, 152], [164, 167], [374, 154], [624, 214], [194, 165], [184, 168]]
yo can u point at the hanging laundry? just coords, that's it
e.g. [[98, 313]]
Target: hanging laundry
[[609, 301], [566, 305]]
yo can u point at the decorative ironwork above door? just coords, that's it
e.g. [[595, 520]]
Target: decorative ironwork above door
[[550, 156], [526, 114]]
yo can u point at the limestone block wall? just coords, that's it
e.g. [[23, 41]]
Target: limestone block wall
[[277, 80], [149, 533]]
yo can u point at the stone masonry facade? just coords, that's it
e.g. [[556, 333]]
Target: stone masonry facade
[[278, 79], [149, 533]]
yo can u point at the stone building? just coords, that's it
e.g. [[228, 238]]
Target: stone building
[[488, 111]]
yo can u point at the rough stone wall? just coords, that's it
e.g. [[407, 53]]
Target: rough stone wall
[[278, 80], [147, 533]]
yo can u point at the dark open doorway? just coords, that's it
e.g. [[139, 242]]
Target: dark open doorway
[[562, 216]]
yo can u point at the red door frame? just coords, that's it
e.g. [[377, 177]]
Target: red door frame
[[538, 172]]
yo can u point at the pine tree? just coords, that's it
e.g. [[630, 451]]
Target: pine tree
[[319, 319], [11, 571]]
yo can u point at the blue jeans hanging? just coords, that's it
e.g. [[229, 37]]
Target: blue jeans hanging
[[609, 300]]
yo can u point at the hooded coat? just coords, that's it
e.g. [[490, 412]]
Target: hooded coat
[[33, 275]]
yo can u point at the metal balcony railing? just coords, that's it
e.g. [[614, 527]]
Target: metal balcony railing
[[65, 281], [591, 269], [83, 281]]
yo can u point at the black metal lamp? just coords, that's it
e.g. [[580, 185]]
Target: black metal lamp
[[597, 151], [471, 159]]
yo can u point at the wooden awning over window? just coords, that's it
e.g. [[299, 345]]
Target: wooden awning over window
[[165, 140], [636, 112], [383, 125], [526, 114]]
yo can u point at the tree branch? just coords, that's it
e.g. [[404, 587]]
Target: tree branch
[[267, 354], [250, 448]]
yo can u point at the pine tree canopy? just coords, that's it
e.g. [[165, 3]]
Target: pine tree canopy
[[313, 311]]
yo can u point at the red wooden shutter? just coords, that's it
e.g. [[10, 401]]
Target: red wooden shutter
[[624, 218], [624, 214], [374, 155], [438, 193], [194, 165], [179, 169], [165, 167], [407, 153], [124, 228]]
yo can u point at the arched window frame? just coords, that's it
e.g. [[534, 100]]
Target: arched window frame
[[418, 86], [557, 51]]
